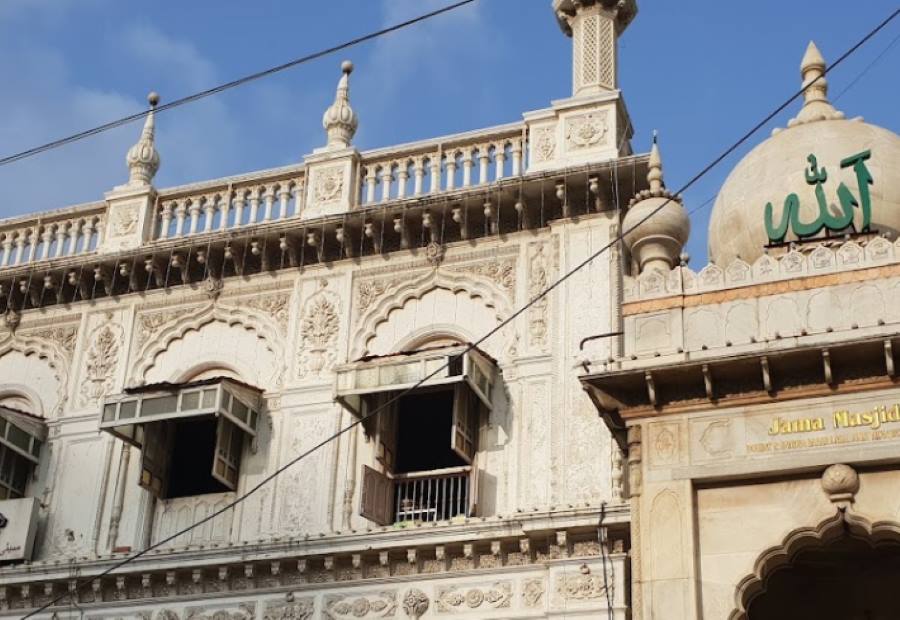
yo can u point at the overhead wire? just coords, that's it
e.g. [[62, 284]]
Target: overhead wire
[[229, 85], [473, 345]]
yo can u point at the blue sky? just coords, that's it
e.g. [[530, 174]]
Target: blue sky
[[701, 72]]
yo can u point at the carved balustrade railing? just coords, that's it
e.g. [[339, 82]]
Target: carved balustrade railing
[[427, 169], [28, 240], [228, 207]]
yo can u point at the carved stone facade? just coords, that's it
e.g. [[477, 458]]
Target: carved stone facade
[[280, 281]]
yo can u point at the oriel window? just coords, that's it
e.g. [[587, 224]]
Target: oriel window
[[191, 435]]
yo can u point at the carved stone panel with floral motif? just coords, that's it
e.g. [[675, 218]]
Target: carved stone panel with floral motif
[[362, 605], [471, 598]]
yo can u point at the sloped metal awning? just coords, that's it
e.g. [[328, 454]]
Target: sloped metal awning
[[124, 415], [449, 365], [22, 433]]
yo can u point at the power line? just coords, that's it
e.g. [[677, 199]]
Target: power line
[[229, 85], [471, 346], [868, 68]]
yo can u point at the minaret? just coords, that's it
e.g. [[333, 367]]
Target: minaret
[[595, 26], [143, 158]]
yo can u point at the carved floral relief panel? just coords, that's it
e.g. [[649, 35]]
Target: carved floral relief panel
[[473, 597], [381, 604]]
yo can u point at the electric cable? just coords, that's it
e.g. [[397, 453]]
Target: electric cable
[[229, 85], [473, 345]]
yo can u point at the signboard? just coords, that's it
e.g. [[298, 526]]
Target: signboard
[[18, 524]]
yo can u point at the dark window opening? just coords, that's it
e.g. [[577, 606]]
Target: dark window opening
[[424, 428], [193, 449]]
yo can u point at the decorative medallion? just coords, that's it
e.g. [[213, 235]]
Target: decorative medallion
[[587, 130], [329, 184], [434, 254], [415, 603]]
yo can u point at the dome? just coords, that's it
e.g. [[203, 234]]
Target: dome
[[823, 176]]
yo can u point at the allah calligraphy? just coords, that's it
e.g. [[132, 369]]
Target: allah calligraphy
[[835, 220]]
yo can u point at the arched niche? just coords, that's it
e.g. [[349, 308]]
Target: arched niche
[[33, 374]]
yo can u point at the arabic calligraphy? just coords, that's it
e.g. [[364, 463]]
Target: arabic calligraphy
[[832, 220]]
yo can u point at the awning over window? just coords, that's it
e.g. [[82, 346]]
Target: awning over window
[[125, 415], [451, 365], [22, 433]]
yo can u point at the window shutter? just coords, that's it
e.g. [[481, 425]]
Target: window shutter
[[473, 488], [386, 445], [227, 457], [156, 452], [377, 501], [465, 424]]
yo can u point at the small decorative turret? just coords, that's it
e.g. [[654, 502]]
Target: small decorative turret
[[340, 120], [657, 242], [816, 106], [142, 158]]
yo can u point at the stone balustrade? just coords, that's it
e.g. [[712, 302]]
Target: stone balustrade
[[24, 241], [458, 162], [228, 207]]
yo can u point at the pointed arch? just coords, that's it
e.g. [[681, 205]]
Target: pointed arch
[[51, 355], [803, 539], [178, 328], [397, 296]]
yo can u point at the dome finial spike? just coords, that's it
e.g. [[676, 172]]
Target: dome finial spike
[[340, 120], [143, 158], [655, 168], [816, 106]]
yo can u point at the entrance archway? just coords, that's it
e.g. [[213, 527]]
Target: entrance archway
[[844, 577]]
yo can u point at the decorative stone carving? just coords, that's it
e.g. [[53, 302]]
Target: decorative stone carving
[[540, 268], [124, 219], [276, 305], [500, 271], [434, 254], [12, 319], [64, 337], [415, 603], [166, 614], [213, 287], [296, 610], [150, 323], [319, 329], [329, 184], [455, 599], [583, 587], [368, 292], [243, 611], [586, 131], [716, 439], [373, 605], [100, 363], [532, 592], [841, 483], [544, 143]]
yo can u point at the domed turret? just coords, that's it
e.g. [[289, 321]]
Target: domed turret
[[143, 158], [656, 244], [340, 120], [824, 176]]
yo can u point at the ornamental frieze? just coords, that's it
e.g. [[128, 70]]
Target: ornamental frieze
[[64, 337], [367, 605], [455, 599], [294, 610]]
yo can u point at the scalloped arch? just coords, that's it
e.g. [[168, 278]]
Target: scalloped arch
[[477, 287], [49, 353], [802, 539], [178, 328]]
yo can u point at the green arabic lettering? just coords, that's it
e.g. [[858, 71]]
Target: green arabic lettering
[[863, 179], [790, 217]]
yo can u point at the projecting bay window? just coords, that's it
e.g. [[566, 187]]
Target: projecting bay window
[[191, 435], [426, 441], [21, 438]]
